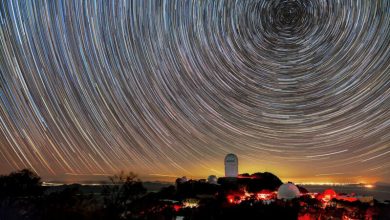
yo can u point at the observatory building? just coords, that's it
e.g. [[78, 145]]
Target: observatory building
[[212, 179], [231, 165], [288, 191]]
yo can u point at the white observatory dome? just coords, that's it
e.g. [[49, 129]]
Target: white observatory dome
[[288, 191], [212, 179]]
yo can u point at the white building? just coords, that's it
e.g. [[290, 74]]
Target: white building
[[231, 165], [288, 191], [212, 179]]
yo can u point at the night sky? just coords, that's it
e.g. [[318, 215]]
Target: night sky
[[299, 88]]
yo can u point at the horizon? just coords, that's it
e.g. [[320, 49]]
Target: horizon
[[170, 178]]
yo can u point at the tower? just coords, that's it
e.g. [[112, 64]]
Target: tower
[[231, 165]]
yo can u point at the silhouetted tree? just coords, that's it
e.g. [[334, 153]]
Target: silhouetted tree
[[167, 192], [192, 188], [121, 192], [264, 180], [19, 192], [20, 184]]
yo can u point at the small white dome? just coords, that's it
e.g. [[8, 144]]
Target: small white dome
[[288, 191], [212, 179]]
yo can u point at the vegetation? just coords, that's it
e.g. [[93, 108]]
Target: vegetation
[[119, 195], [22, 196], [23, 183]]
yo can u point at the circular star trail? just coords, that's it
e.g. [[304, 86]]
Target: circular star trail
[[170, 87]]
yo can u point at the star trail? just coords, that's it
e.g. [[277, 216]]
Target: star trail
[[300, 88]]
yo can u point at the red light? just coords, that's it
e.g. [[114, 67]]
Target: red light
[[230, 198], [176, 207], [305, 217], [234, 199]]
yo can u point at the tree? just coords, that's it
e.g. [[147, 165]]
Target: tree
[[19, 192], [21, 183], [120, 193]]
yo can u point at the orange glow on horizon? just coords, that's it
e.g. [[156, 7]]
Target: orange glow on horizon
[[369, 186]]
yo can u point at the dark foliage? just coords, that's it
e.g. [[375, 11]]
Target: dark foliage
[[252, 183], [119, 195], [19, 192], [22, 183], [193, 188], [22, 197]]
